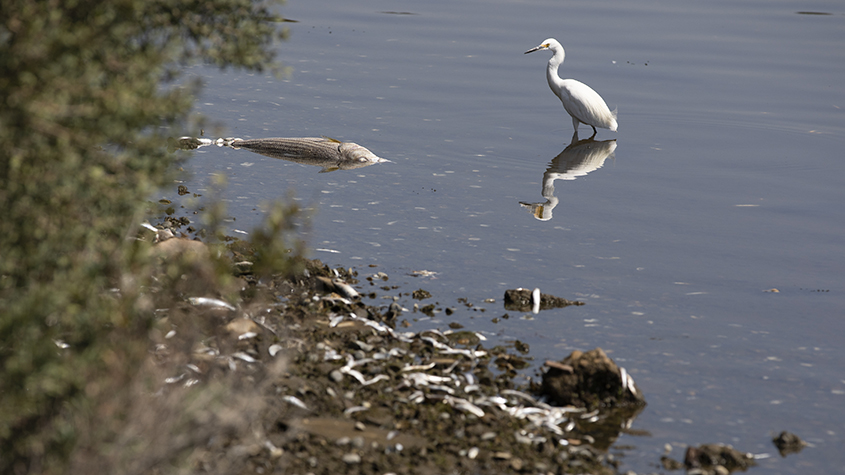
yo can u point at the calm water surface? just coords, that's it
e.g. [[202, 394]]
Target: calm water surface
[[727, 179]]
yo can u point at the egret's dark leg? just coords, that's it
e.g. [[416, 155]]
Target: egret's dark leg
[[594, 129]]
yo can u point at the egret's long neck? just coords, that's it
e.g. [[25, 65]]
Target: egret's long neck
[[551, 70]]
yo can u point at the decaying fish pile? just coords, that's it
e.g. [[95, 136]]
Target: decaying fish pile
[[344, 391], [311, 373]]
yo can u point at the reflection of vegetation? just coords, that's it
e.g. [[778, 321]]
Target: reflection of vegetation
[[81, 126]]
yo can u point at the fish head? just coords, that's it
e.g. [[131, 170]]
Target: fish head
[[356, 154]]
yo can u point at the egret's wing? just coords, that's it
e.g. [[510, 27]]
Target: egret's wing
[[585, 104]]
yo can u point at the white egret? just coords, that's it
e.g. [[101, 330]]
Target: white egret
[[580, 100]]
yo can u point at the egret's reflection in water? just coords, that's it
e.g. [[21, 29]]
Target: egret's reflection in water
[[578, 159]]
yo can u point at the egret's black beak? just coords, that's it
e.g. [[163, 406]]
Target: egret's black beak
[[536, 48]]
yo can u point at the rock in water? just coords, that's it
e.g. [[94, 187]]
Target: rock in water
[[717, 455], [590, 380], [521, 300], [788, 443]]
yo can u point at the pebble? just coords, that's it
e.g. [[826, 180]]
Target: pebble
[[352, 458], [336, 375], [239, 326]]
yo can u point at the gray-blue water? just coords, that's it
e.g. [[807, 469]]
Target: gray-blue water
[[727, 180]]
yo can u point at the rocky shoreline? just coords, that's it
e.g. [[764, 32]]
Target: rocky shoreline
[[344, 389], [314, 379]]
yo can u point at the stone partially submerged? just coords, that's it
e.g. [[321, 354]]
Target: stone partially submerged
[[591, 380], [522, 300], [788, 443], [712, 456]]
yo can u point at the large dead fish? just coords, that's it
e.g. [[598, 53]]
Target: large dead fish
[[323, 152]]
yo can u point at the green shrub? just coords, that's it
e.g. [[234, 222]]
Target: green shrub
[[89, 91]]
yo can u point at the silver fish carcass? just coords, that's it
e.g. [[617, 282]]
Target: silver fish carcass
[[328, 153]]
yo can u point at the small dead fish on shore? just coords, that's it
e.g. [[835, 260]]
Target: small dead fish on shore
[[325, 152], [209, 302]]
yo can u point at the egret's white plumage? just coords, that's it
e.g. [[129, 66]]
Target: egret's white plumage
[[581, 102]]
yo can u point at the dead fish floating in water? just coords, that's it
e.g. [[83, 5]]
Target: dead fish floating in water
[[325, 152]]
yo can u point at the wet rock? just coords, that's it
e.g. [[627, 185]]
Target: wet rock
[[393, 311], [788, 443], [463, 338], [421, 294], [508, 362], [714, 456], [336, 376], [428, 310], [520, 300], [590, 380], [670, 463]]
